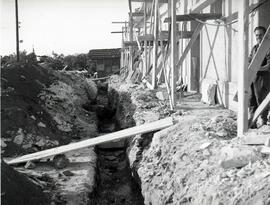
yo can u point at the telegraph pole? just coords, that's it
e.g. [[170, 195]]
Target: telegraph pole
[[17, 31]]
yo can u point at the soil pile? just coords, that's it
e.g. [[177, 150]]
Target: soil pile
[[18, 189], [197, 161], [43, 108]]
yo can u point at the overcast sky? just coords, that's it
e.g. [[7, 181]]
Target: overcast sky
[[62, 26]]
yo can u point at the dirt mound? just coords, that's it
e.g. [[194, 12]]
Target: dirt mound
[[41, 109], [20, 191], [197, 161], [26, 126]]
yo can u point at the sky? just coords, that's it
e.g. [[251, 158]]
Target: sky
[[62, 26]]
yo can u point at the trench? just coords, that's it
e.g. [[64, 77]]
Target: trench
[[115, 183]]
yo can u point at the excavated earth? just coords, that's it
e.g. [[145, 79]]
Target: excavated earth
[[41, 109], [198, 160]]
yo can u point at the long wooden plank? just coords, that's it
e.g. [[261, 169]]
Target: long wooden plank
[[137, 14], [201, 5], [193, 16], [145, 128], [261, 108], [256, 139], [173, 53], [242, 109], [160, 1], [155, 43], [164, 35], [130, 43]]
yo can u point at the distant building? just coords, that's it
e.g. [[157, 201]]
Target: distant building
[[107, 61]]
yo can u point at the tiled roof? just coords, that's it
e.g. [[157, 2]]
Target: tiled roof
[[104, 53]]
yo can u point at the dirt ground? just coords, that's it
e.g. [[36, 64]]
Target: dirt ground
[[42, 108], [199, 160]]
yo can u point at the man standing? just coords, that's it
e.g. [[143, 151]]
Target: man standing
[[260, 86]]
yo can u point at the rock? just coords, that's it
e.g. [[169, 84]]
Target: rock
[[222, 133], [41, 124], [30, 165], [19, 138], [205, 145], [33, 117], [60, 161], [68, 173], [111, 158], [237, 157], [217, 119], [160, 95], [208, 92], [3, 144], [41, 142]]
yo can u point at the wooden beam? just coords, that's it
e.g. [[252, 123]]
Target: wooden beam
[[258, 58], [119, 22], [242, 111], [265, 103], [194, 16], [255, 138], [173, 52], [117, 32], [190, 44], [201, 5], [155, 45], [130, 43], [145, 128], [164, 35], [160, 1], [145, 42], [137, 14]]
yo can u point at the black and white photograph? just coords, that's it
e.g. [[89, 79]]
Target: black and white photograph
[[135, 102]]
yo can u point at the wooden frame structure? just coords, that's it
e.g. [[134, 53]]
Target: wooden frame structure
[[158, 48]]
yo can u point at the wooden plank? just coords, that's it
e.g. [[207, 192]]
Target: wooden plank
[[117, 32], [137, 14], [242, 111], [255, 64], [190, 44], [193, 16], [130, 43], [164, 35], [201, 5], [145, 128], [146, 37], [155, 45], [145, 42], [265, 150], [160, 1], [149, 85], [265, 103], [173, 52]]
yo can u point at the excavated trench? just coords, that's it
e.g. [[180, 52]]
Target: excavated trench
[[115, 184]]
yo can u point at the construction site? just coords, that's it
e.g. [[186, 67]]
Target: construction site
[[165, 119]]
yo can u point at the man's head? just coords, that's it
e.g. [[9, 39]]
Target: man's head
[[259, 33]]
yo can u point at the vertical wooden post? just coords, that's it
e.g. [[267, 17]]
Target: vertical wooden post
[[130, 47], [173, 51], [155, 44], [242, 119], [145, 42], [17, 32]]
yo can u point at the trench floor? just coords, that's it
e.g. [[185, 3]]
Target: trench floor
[[115, 184]]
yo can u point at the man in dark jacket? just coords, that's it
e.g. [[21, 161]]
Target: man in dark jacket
[[260, 86]]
